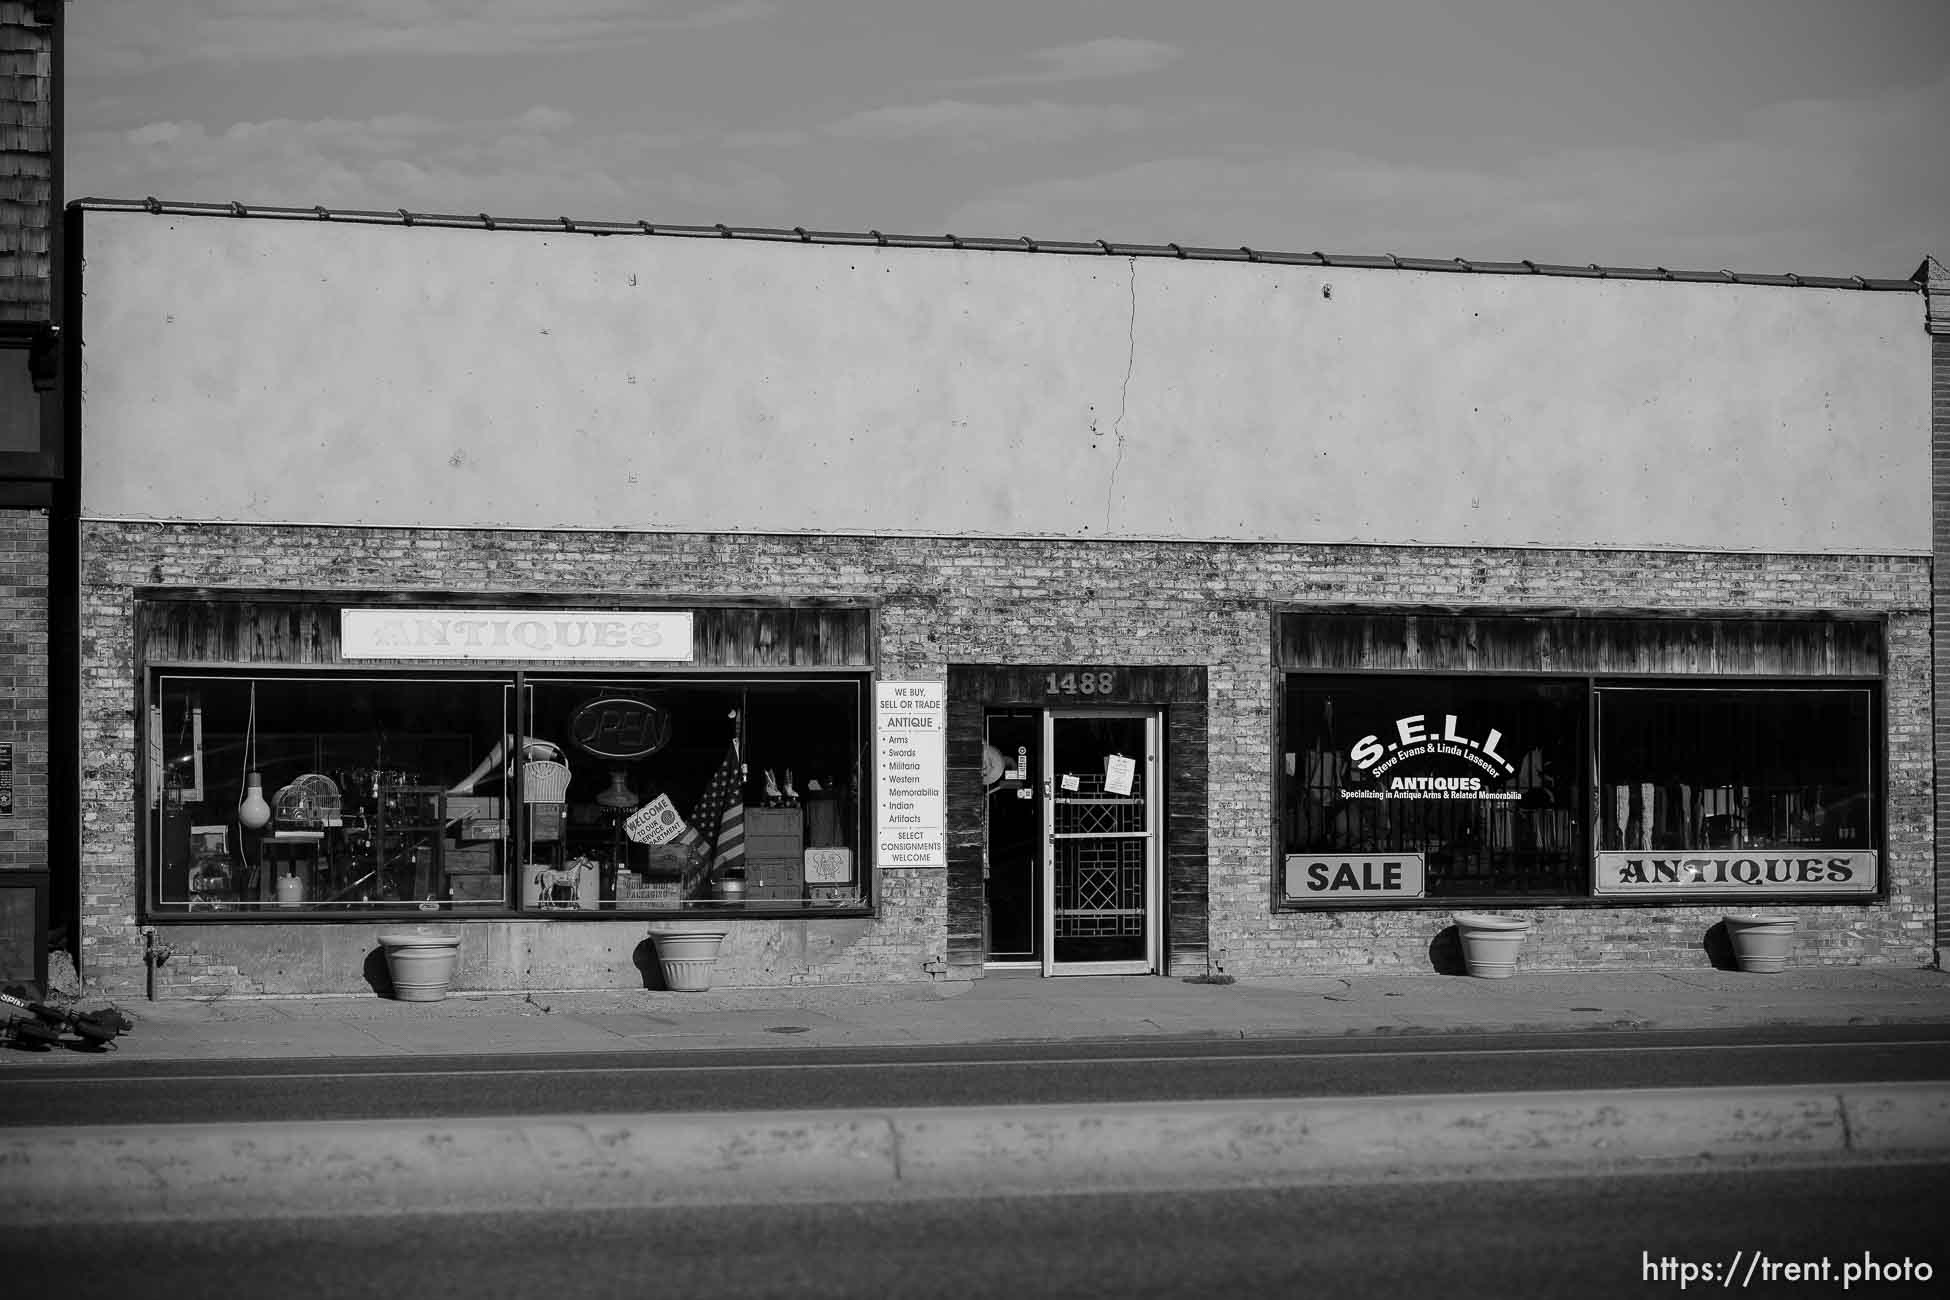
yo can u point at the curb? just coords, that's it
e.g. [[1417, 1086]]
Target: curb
[[347, 1168], [268, 1039]]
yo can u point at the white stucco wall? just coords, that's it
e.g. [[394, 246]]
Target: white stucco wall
[[251, 370]]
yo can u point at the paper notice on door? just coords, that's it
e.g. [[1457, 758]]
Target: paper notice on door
[[1071, 783], [1118, 771]]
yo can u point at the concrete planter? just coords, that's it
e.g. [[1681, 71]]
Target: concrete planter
[[421, 963], [1491, 944], [687, 957], [1761, 943]]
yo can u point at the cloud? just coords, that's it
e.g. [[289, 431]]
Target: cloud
[[971, 125], [126, 35], [543, 118], [977, 126], [1110, 56], [766, 138], [1820, 187], [529, 164], [392, 131], [1101, 59]]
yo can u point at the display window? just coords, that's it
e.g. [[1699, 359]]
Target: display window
[[1436, 755], [1399, 788], [740, 793], [284, 793], [1737, 790], [1723, 769]]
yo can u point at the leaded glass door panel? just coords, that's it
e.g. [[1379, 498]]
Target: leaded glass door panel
[[1102, 818]]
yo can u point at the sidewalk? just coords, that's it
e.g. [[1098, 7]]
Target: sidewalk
[[109, 1174], [1013, 1008]]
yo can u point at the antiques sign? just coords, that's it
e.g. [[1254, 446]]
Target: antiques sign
[[910, 771], [572, 635], [1314, 877], [1762, 872], [6, 779]]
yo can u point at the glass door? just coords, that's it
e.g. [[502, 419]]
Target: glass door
[[1012, 839], [1101, 882]]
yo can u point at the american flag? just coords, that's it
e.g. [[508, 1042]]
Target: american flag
[[719, 819]]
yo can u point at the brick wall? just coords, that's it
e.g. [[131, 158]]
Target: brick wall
[[947, 600], [26, 195], [23, 684], [513, 956]]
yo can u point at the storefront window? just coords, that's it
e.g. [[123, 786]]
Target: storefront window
[[694, 794], [1663, 758], [492, 792], [1403, 787], [1718, 769], [294, 792]]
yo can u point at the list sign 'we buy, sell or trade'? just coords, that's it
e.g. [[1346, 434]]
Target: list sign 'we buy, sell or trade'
[[910, 770]]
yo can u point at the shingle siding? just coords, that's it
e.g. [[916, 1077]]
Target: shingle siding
[[27, 162]]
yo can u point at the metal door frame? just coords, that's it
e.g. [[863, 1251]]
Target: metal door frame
[[1151, 768]]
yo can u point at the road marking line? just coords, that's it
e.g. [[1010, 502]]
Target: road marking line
[[650, 1067]]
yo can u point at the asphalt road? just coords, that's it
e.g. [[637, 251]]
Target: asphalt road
[[1601, 1236], [65, 1089]]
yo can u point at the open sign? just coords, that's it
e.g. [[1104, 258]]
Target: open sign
[[620, 728]]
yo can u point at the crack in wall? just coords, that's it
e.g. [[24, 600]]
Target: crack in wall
[[1123, 396]]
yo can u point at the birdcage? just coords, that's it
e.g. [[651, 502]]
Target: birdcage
[[309, 803]]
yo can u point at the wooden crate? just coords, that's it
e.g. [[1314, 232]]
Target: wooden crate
[[775, 878], [633, 890], [774, 832], [480, 887], [469, 859], [462, 806]]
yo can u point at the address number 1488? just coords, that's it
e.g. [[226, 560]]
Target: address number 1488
[[1089, 682]]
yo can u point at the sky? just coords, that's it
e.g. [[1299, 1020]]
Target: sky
[[1761, 136]]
